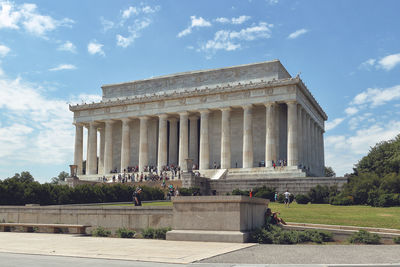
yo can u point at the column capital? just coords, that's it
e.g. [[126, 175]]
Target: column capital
[[144, 118], [172, 119], [109, 121], [270, 104], [77, 124], [183, 114], [125, 120], [247, 107], [226, 109], [163, 116], [94, 124], [193, 117], [291, 102], [204, 111]]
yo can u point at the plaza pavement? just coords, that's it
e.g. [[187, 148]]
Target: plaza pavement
[[161, 252]]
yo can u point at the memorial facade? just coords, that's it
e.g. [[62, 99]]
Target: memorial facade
[[248, 117]]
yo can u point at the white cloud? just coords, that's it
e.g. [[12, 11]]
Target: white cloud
[[67, 46], [15, 16], [389, 62], [377, 96], [149, 9], [342, 152], [95, 48], [195, 22], [367, 64], [351, 110], [332, 124], [134, 32], [63, 67], [4, 50], [8, 17], [230, 40], [272, 2], [238, 20], [84, 98], [297, 33], [127, 13]]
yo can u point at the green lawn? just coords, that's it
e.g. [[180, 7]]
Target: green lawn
[[340, 215], [328, 214]]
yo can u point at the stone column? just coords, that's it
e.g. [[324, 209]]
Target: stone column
[[320, 167], [87, 149], [78, 153], [183, 139], [247, 136], [173, 141], [300, 135], [292, 153], [101, 152], [322, 152], [304, 139], [312, 146], [226, 138], [194, 139], [308, 127], [270, 134], [143, 144], [125, 145], [162, 142], [108, 151], [92, 154], [204, 142]]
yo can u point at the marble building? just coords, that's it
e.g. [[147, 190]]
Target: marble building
[[242, 119]]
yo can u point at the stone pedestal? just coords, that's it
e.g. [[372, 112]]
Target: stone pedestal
[[216, 218]]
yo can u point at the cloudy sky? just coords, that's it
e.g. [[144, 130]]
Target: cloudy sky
[[57, 52]]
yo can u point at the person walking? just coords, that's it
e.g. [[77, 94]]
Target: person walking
[[136, 197], [287, 198]]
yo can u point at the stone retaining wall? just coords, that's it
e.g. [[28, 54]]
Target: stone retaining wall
[[110, 217], [294, 185]]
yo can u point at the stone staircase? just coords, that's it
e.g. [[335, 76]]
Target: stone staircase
[[265, 172]]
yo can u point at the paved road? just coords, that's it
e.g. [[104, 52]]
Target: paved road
[[312, 254]]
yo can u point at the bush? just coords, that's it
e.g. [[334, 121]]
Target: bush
[[101, 232], [275, 235], [319, 194], [396, 240], [191, 191], [388, 200], [238, 192], [302, 199], [342, 200], [281, 198], [264, 192], [364, 237], [159, 233], [125, 233]]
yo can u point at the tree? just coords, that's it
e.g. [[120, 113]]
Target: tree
[[24, 177], [382, 159], [61, 177], [329, 172]]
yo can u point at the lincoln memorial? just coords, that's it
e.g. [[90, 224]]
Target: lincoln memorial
[[250, 121]]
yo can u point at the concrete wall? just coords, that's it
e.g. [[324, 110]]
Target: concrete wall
[[295, 185], [110, 217]]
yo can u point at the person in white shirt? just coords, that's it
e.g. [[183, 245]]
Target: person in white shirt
[[287, 198]]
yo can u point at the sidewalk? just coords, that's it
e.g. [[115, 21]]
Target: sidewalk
[[113, 248]]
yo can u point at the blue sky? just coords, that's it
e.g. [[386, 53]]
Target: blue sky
[[58, 52]]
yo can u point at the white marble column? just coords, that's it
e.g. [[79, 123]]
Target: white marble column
[[292, 145], [226, 138], [320, 167], [143, 144], [312, 139], [108, 151], [92, 154], [162, 142], [183, 139], [322, 153], [204, 142], [300, 135], [270, 134], [101, 152], [248, 136], [194, 139], [304, 138], [78, 153], [173, 142], [125, 145]]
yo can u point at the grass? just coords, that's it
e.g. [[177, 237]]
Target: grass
[[364, 216]]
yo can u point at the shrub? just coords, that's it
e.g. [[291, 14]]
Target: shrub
[[396, 240], [101, 232], [148, 233], [264, 192], [302, 199], [159, 233], [238, 192], [125, 233], [275, 235], [364, 237], [281, 198], [319, 194], [191, 191], [342, 200], [388, 200]]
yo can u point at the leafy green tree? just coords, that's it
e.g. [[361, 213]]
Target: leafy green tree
[[24, 177], [329, 172], [61, 177], [382, 159]]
